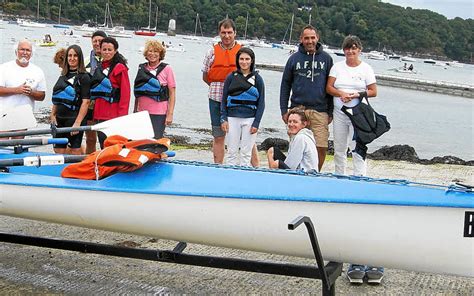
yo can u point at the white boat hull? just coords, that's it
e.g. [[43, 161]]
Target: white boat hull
[[404, 237]]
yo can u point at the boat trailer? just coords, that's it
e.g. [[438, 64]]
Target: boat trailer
[[328, 273]]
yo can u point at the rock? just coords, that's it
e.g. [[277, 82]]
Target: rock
[[178, 140], [448, 159], [408, 153], [396, 152], [273, 142]]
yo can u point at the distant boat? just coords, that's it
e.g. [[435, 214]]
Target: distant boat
[[429, 61], [31, 24], [113, 31], [148, 31], [455, 64], [376, 55], [118, 32], [195, 37], [327, 49], [85, 28], [339, 52], [394, 57], [260, 43], [407, 59], [58, 25]]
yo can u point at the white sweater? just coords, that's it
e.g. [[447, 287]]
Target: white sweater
[[302, 153]]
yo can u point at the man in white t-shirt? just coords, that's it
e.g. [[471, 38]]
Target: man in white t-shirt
[[21, 82]]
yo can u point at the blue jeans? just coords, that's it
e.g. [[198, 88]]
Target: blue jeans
[[215, 111]]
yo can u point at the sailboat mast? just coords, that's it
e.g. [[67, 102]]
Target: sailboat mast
[[59, 17], [246, 24], [156, 19], [196, 26], [291, 28], [149, 16], [38, 10]]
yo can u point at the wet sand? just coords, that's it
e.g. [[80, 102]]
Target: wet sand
[[26, 269]]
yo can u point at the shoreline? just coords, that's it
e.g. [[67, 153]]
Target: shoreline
[[442, 87], [201, 139]]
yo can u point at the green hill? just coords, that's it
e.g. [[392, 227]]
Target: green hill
[[381, 26]]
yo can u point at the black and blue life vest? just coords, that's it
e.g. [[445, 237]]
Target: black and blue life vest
[[242, 91], [101, 86], [147, 84], [66, 92]]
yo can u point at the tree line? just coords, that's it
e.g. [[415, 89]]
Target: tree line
[[381, 26]]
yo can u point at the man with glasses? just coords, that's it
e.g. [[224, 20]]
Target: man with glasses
[[21, 82]]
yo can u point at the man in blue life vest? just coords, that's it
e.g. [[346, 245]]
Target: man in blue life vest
[[305, 78], [218, 63]]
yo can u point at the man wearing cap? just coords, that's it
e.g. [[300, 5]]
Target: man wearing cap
[[91, 65]]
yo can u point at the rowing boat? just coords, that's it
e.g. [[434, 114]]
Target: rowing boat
[[387, 223]]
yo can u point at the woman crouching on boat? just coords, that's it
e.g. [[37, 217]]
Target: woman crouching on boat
[[302, 153], [155, 88], [110, 85], [349, 80], [242, 106], [71, 100]]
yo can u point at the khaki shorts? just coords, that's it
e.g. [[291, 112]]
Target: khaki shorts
[[319, 125]]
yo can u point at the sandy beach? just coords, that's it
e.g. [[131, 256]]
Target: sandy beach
[[26, 269]]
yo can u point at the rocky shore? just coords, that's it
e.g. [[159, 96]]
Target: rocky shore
[[200, 138]]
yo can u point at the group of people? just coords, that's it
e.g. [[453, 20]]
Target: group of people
[[91, 90], [313, 93]]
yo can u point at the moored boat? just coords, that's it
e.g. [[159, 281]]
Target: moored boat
[[118, 32], [145, 32], [407, 59], [85, 28], [376, 55], [31, 24], [380, 222], [148, 31]]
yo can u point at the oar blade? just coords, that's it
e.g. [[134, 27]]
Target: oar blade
[[134, 126], [17, 118]]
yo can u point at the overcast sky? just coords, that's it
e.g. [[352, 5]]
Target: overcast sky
[[450, 9]]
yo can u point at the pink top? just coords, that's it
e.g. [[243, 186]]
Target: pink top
[[166, 77]]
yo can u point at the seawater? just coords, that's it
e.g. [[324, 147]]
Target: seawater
[[434, 124]]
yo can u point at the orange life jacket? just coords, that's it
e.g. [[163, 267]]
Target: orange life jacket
[[119, 155], [224, 63]]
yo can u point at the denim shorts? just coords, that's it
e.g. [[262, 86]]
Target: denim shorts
[[215, 111]]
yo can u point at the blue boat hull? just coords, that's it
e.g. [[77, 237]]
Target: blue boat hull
[[357, 220]]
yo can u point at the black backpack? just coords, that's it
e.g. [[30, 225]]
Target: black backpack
[[368, 124]]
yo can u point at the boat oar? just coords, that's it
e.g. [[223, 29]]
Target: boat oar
[[135, 126], [17, 118], [50, 160], [33, 141]]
